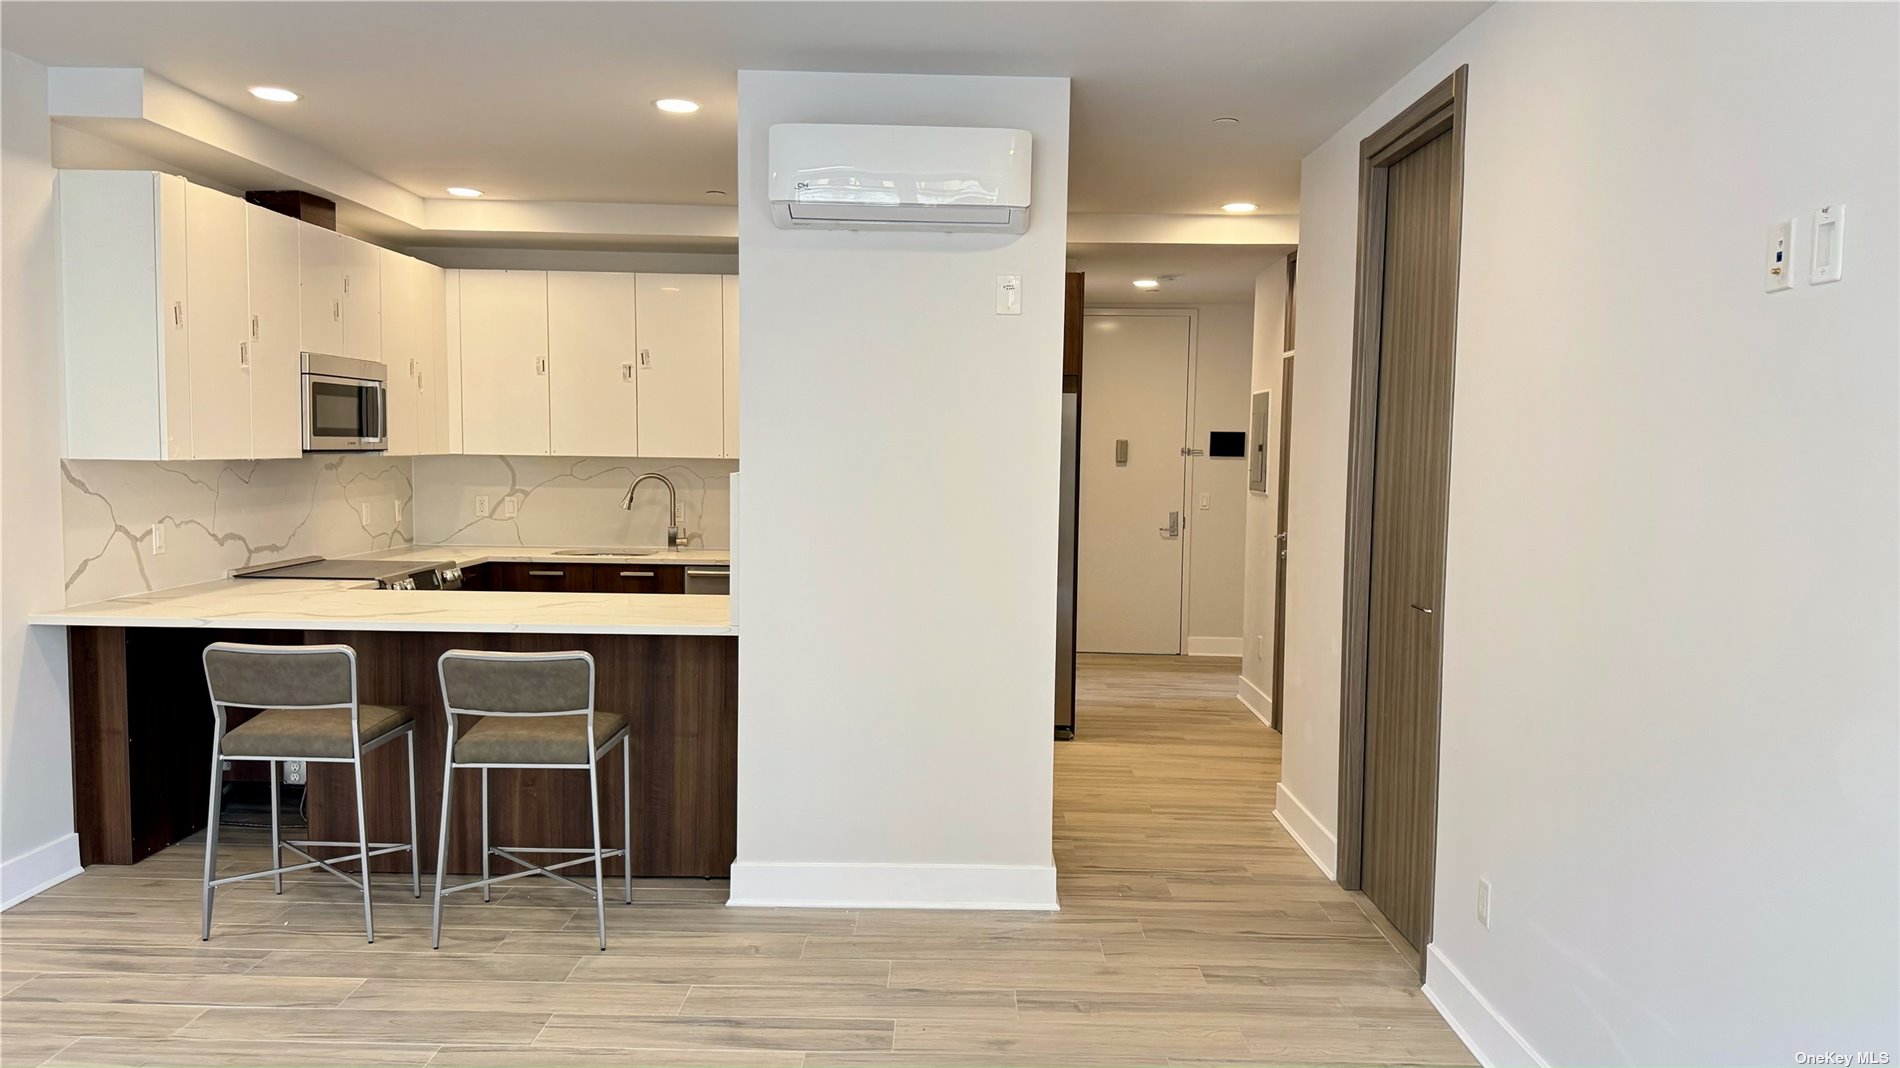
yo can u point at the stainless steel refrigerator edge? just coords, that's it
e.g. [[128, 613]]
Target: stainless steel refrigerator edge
[[1065, 570]]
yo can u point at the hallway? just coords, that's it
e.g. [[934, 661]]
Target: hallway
[[1192, 930]]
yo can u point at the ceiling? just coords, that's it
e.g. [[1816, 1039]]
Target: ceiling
[[550, 101], [1203, 274]]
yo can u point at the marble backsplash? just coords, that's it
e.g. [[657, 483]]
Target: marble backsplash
[[220, 515], [565, 501]]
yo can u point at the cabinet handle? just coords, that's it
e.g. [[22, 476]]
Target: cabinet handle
[[244, 354], [636, 574], [336, 311], [253, 328], [546, 574], [626, 372], [178, 313], [646, 358], [346, 285], [691, 573], [540, 365]]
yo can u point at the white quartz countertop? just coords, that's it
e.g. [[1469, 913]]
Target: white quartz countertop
[[309, 604], [470, 555]]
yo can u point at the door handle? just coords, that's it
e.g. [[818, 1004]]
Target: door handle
[[626, 372], [244, 354], [1173, 529], [646, 358], [253, 328], [1422, 608]]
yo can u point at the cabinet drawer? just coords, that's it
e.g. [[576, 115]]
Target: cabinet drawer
[[549, 578], [639, 578]]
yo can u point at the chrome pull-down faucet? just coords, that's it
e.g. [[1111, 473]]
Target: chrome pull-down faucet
[[672, 505]]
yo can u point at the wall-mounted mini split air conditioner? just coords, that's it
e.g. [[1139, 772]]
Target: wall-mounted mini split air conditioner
[[942, 178]]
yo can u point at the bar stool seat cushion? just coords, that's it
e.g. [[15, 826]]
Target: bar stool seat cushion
[[310, 732], [535, 739]]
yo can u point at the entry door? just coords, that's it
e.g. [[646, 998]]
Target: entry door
[[1131, 507], [1410, 477]]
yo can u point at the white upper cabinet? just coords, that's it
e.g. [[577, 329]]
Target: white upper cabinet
[[680, 369], [432, 364], [218, 326], [412, 321], [362, 300], [504, 364], [591, 356], [730, 341], [123, 312], [276, 385], [320, 267]]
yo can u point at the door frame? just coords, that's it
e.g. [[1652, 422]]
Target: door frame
[[1187, 438], [1440, 110]]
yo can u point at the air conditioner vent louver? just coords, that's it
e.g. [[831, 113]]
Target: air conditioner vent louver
[[939, 178]]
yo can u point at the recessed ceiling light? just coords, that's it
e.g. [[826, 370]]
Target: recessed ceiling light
[[1239, 206], [677, 106], [1146, 283], [463, 191], [1226, 120], [273, 94], [715, 192]]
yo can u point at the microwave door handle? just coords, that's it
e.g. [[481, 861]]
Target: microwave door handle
[[373, 398]]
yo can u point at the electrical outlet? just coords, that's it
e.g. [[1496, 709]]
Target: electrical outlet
[[481, 506], [158, 539], [1484, 903], [294, 772]]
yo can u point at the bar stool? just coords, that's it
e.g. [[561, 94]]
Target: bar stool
[[534, 710], [311, 713]]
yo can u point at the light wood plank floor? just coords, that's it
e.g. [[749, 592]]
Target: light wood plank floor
[[1192, 930]]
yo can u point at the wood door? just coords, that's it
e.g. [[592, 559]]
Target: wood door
[[681, 364], [1131, 512], [1410, 479], [504, 329], [276, 387], [591, 354], [218, 330], [320, 274]]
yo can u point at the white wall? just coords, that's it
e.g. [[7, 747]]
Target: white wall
[[37, 843], [898, 525], [1669, 726], [1260, 549]]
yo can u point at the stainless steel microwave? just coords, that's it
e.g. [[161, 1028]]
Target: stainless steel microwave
[[345, 405]]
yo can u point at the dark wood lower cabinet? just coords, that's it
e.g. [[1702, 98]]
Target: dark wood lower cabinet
[[142, 745], [634, 577]]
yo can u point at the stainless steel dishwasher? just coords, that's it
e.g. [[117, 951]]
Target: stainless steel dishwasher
[[715, 578]]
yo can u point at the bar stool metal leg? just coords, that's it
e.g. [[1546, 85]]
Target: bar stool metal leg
[[600, 895], [442, 840], [415, 837], [276, 833], [626, 812], [211, 828], [485, 834], [362, 839]]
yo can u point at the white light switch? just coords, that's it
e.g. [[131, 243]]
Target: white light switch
[[1779, 257], [158, 539], [363, 509], [1830, 226], [508, 506], [1009, 294], [1206, 501]]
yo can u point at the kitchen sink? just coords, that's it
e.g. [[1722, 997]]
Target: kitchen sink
[[606, 552]]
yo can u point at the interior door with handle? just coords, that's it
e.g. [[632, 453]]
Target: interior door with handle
[[1131, 516]]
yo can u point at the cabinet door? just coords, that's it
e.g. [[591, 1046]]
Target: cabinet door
[[638, 578], [431, 363], [591, 357], [504, 326], [362, 300], [320, 279], [681, 391], [276, 399], [218, 330], [174, 335], [730, 343], [541, 578], [403, 326]]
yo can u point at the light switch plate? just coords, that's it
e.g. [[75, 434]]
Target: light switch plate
[[1778, 261], [1830, 231], [1009, 294], [509, 505], [158, 539]]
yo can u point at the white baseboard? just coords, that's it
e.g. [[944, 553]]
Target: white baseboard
[[1306, 829], [894, 886], [1215, 646], [1474, 1019], [36, 870], [1257, 702]]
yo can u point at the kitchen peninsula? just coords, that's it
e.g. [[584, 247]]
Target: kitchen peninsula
[[669, 661]]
